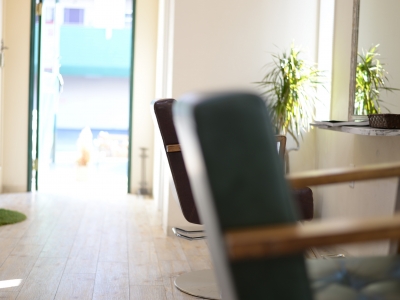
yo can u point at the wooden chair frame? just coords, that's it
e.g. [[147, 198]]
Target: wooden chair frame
[[283, 240]]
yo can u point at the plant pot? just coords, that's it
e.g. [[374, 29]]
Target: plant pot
[[384, 121]]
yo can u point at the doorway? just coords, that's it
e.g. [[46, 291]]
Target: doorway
[[81, 95]]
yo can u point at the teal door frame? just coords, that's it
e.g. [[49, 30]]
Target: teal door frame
[[34, 92], [131, 89]]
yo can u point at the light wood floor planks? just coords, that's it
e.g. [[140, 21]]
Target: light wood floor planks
[[93, 247]]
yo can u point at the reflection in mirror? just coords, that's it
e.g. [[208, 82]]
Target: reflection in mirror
[[375, 22]]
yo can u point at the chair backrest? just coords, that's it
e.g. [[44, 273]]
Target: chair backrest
[[230, 153], [162, 109]]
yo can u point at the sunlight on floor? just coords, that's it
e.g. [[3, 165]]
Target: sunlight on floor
[[81, 180], [10, 283]]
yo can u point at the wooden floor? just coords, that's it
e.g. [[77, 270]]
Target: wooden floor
[[100, 246]]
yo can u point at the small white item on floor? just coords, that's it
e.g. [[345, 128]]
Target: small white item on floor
[[85, 146]]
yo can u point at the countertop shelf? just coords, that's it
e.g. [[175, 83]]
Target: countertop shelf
[[362, 130]]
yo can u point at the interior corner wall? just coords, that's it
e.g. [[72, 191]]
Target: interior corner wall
[[16, 35], [143, 89], [336, 149]]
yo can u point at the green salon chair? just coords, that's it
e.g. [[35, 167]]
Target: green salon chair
[[255, 242]]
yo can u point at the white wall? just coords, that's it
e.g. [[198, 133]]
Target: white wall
[[225, 44], [144, 87], [336, 149], [16, 84]]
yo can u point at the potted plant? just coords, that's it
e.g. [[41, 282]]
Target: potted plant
[[371, 79], [290, 87]]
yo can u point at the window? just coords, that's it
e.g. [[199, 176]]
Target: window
[[128, 19], [74, 16], [49, 16]]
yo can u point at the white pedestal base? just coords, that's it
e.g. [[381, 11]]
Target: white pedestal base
[[200, 284]]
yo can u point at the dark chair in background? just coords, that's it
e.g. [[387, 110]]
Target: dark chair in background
[[302, 197], [198, 283], [162, 110], [256, 246]]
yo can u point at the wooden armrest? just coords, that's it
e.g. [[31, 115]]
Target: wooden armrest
[[320, 177], [282, 240]]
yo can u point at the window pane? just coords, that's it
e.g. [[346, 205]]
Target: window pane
[[73, 15]]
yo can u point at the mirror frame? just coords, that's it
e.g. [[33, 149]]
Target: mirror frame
[[353, 63]]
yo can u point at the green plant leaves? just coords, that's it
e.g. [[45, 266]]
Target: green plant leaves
[[291, 89], [371, 78]]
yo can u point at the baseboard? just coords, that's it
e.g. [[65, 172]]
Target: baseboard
[[13, 189]]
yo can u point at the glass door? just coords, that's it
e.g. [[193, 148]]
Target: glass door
[[80, 138], [34, 74]]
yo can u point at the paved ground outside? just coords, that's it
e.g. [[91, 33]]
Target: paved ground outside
[[106, 170]]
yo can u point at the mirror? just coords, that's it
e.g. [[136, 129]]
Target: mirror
[[376, 22]]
